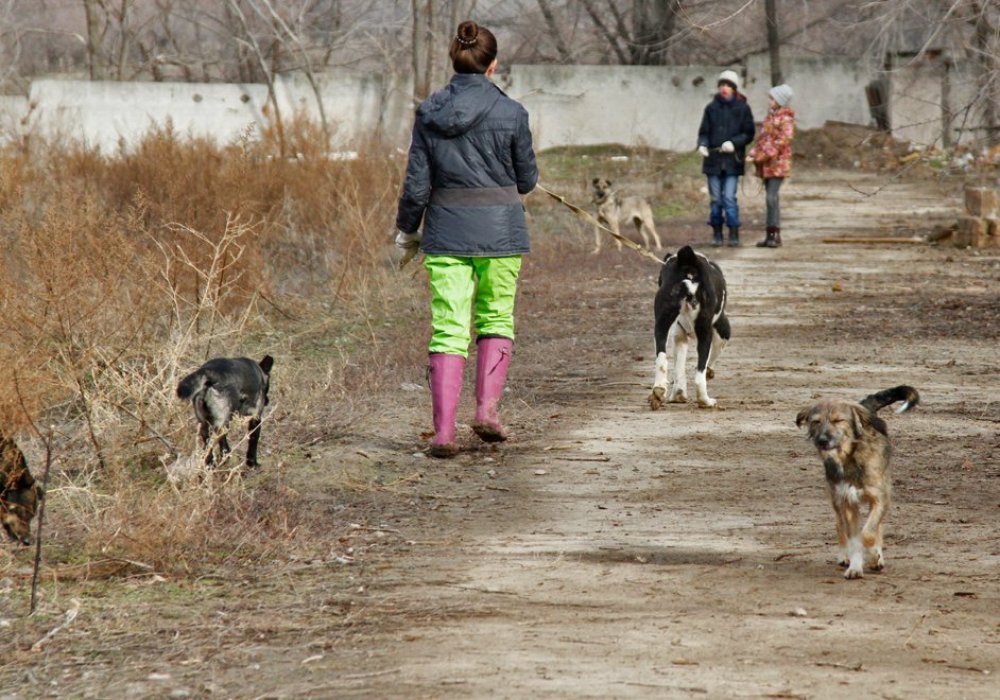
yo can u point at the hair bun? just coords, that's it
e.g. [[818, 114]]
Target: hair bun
[[468, 32]]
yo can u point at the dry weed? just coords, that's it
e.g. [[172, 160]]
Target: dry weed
[[121, 272]]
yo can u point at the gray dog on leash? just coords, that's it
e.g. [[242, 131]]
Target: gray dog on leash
[[614, 210], [224, 387]]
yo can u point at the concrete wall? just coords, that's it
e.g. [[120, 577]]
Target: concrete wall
[[106, 114], [930, 95], [656, 106], [915, 101], [14, 116], [826, 89], [631, 105], [662, 106], [103, 114], [355, 106]]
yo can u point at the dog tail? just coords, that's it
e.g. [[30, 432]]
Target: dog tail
[[191, 384], [907, 394]]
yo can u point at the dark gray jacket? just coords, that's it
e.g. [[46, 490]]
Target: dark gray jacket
[[726, 120], [470, 160]]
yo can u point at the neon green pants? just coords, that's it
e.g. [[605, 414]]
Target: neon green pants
[[457, 283]]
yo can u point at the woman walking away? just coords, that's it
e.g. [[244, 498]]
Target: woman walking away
[[726, 129], [772, 156], [470, 160]]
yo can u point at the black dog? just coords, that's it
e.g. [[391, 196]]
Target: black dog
[[223, 387], [690, 304]]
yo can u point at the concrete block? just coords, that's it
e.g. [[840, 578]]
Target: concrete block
[[982, 201], [993, 233], [971, 230]]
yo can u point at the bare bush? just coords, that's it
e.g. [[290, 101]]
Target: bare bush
[[122, 273]]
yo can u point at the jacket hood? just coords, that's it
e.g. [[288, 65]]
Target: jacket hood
[[461, 105]]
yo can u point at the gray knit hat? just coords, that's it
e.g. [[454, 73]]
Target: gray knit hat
[[782, 94]]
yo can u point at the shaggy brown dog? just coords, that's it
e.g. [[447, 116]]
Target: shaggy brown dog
[[854, 445], [19, 493]]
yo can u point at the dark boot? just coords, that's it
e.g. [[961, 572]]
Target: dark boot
[[776, 240], [717, 236], [767, 242], [446, 387], [734, 237]]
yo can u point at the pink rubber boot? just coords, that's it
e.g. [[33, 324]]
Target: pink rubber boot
[[493, 359], [445, 375]]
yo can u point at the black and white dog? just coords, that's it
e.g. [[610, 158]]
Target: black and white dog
[[221, 388], [690, 304]]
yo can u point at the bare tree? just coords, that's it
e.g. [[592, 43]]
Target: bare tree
[[423, 47], [95, 54], [653, 26], [963, 33], [433, 24], [773, 40], [615, 42], [122, 15], [985, 47], [553, 31]]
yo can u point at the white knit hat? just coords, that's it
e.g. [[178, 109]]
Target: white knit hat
[[782, 94], [730, 76]]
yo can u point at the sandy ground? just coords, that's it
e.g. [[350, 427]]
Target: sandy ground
[[611, 551]]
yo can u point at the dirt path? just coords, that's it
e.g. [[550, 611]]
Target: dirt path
[[609, 551], [672, 554]]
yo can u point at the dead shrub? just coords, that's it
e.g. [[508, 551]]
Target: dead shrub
[[176, 532], [122, 272]]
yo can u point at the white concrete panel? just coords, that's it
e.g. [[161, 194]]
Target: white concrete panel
[[109, 114], [826, 89], [632, 105], [662, 106], [579, 105]]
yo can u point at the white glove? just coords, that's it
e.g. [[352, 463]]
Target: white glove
[[409, 243], [703, 150], [727, 147]]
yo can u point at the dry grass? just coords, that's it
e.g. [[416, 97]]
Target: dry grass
[[121, 272]]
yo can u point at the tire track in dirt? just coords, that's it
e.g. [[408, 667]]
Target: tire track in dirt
[[672, 554]]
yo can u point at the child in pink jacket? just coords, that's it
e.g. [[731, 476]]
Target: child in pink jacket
[[772, 156]]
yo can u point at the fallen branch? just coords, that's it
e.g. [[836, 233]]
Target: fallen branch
[[984, 671], [483, 590], [956, 667], [366, 528], [67, 621], [847, 667], [47, 440], [41, 519], [876, 241], [906, 642], [942, 232]]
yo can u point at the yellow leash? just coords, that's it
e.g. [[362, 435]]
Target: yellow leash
[[589, 218], [411, 253]]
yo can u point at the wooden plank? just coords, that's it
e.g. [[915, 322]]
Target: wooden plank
[[875, 241]]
